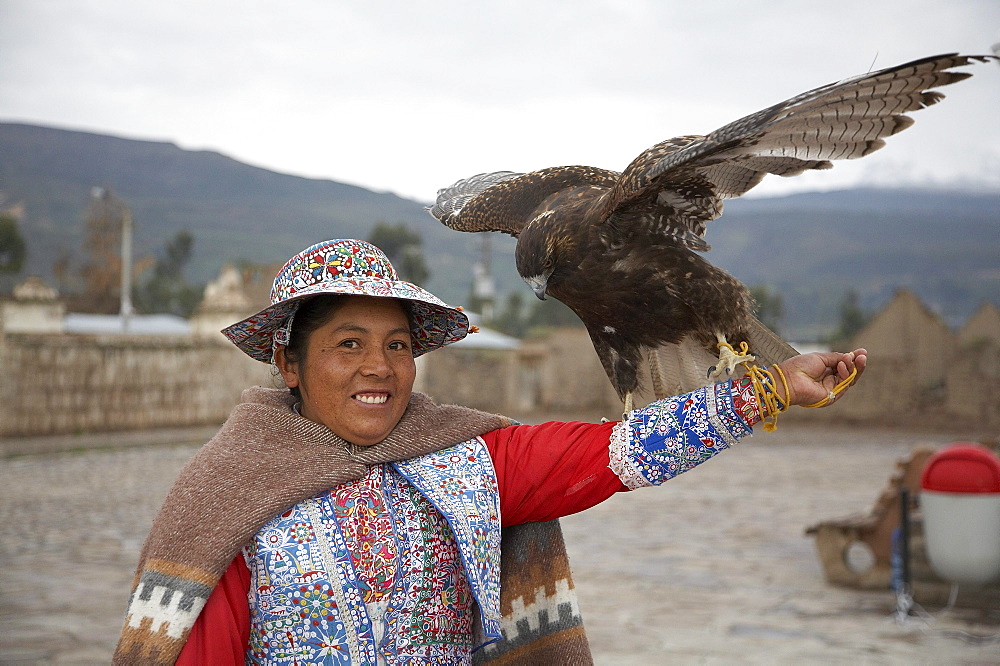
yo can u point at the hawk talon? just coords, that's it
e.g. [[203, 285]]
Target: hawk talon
[[712, 369], [728, 360]]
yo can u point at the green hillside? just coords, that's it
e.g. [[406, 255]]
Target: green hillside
[[813, 247], [235, 211]]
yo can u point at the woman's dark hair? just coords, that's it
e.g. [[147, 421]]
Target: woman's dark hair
[[313, 313]]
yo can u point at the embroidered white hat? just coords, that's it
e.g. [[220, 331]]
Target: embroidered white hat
[[350, 267]]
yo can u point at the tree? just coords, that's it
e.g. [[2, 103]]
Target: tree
[[551, 313], [167, 290], [404, 248], [521, 319], [13, 249], [768, 306], [852, 319], [101, 272], [511, 319]]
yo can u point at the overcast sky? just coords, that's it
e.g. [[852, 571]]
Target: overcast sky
[[409, 95]]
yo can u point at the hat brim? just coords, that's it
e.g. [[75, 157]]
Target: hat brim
[[434, 322]]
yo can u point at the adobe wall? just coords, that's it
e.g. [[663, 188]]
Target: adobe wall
[[905, 330], [574, 379], [66, 384], [973, 385], [482, 379], [61, 384], [558, 376], [893, 393]]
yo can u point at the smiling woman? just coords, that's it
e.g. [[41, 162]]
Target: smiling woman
[[350, 520], [354, 373]]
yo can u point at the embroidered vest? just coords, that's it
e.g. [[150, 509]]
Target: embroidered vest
[[308, 595]]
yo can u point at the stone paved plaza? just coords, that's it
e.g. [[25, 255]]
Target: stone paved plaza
[[713, 568]]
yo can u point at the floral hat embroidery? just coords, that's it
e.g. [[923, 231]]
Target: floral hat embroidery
[[350, 267]]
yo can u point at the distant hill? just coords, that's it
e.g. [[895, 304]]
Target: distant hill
[[813, 247], [234, 210], [944, 246]]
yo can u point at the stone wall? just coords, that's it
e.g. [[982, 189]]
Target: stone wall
[[65, 384], [60, 384], [559, 375]]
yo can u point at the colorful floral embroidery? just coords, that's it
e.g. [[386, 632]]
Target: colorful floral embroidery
[[473, 515], [671, 436], [433, 617], [745, 401], [366, 524], [325, 570]]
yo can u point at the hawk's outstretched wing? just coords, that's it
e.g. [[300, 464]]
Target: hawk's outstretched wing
[[683, 180], [504, 201]]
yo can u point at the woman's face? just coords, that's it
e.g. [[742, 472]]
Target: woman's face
[[357, 372]]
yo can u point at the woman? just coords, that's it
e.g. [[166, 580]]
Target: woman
[[349, 520]]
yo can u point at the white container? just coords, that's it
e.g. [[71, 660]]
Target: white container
[[960, 499], [962, 532]]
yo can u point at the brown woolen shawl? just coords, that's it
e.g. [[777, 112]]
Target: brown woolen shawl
[[266, 458]]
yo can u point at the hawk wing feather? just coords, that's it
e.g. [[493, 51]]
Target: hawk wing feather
[[453, 199], [741, 174], [635, 181], [884, 93], [844, 120], [505, 201], [828, 112]]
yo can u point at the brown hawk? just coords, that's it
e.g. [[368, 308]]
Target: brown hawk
[[622, 249]]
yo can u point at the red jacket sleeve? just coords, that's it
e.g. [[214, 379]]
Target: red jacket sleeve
[[222, 631], [551, 470]]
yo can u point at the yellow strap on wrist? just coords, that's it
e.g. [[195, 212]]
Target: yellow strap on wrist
[[764, 387]]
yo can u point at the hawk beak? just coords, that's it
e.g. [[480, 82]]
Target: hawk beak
[[538, 285]]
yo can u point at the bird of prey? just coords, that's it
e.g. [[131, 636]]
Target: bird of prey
[[623, 250]]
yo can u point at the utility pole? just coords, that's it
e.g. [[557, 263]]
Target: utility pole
[[483, 287], [125, 310]]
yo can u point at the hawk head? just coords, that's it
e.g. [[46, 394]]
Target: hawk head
[[540, 246], [535, 261]]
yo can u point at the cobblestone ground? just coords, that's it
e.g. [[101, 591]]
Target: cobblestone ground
[[712, 568]]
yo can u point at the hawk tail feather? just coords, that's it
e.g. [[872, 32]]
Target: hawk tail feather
[[768, 346], [675, 368]]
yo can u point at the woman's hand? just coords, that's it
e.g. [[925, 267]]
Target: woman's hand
[[812, 377]]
